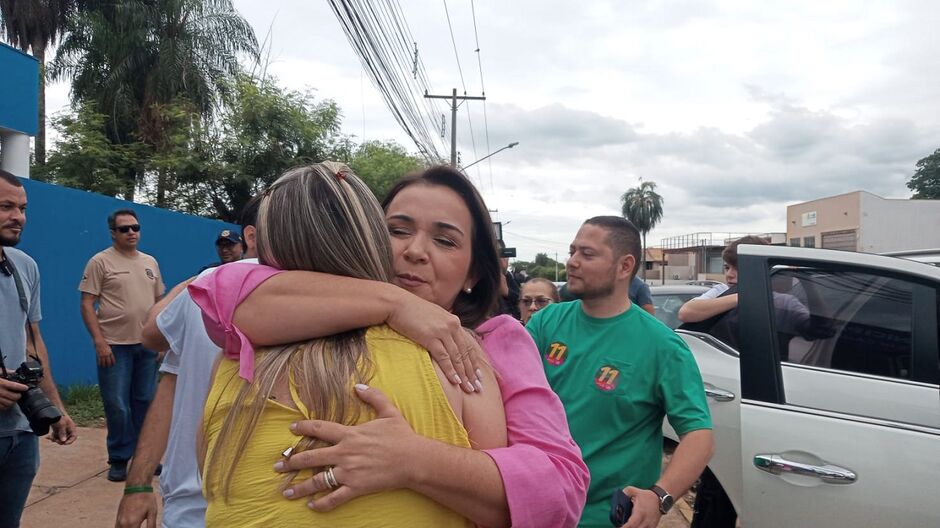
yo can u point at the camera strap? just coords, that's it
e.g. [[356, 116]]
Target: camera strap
[[21, 293], [20, 290]]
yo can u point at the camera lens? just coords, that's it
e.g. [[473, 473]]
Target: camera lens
[[39, 411]]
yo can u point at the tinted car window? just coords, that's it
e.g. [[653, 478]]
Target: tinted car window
[[857, 322]]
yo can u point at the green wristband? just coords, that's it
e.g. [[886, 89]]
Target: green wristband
[[138, 489]]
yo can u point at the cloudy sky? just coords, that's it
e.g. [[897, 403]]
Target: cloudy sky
[[735, 108]]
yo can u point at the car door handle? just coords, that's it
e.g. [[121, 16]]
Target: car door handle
[[776, 465], [718, 394]]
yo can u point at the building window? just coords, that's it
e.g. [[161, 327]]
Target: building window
[[809, 241], [795, 242]]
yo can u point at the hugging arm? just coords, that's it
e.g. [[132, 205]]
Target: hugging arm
[[294, 306]]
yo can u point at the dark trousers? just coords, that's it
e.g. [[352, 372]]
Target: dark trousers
[[19, 461], [713, 508], [127, 388]]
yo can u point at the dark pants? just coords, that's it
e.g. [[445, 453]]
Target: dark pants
[[126, 391], [713, 508], [19, 461]]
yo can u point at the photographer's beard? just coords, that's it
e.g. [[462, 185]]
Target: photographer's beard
[[10, 234]]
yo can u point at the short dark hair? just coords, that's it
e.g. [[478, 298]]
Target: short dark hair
[[480, 304], [622, 236], [249, 216], [112, 218], [10, 178], [730, 253]]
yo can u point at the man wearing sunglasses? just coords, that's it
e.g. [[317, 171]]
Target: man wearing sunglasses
[[124, 283]]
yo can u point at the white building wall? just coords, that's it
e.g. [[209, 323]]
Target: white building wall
[[895, 225], [14, 153]]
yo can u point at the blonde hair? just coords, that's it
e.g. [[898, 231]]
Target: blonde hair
[[321, 218]]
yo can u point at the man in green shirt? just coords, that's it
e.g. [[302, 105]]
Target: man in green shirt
[[619, 371]]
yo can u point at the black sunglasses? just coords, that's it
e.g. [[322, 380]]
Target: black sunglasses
[[124, 229]]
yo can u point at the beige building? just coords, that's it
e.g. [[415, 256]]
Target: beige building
[[697, 256], [862, 221]]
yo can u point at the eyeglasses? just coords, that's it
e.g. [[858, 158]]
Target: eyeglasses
[[541, 302], [124, 229]]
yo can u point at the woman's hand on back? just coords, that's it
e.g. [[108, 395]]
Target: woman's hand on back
[[365, 458], [439, 331]]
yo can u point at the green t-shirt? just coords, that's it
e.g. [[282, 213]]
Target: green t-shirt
[[617, 378]]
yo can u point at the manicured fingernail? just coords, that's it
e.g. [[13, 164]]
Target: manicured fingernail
[[293, 426], [469, 387], [361, 387], [457, 379], [310, 505], [479, 385], [279, 466], [288, 493], [479, 374]]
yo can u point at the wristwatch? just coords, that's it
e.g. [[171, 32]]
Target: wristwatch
[[665, 499]]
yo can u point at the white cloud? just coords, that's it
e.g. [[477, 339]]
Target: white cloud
[[735, 108]]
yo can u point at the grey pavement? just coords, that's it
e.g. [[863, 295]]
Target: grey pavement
[[71, 488]]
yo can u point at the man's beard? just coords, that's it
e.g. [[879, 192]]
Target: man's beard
[[9, 241], [598, 291]]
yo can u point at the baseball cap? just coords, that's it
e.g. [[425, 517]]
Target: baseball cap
[[229, 235]]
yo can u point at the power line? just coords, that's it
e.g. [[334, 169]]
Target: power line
[[454, 42], [486, 124], [376, 31], [463, 83], [542, 240]]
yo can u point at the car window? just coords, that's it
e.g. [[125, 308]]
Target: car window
[[667, 307], [841, 320]]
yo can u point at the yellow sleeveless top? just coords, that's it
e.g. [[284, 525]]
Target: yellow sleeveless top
[[403, 371]]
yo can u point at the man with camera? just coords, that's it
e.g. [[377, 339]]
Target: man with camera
[[124, 283], [28, 395]]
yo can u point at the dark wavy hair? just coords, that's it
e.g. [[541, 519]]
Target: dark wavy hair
[[481, 303]]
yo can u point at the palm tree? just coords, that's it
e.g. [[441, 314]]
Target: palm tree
[[35, 25], [644, 207], [134, 58]]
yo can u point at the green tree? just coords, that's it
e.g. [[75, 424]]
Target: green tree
[[132, 58], [35, 25], [644, 207], [926, 179], [264, 131], [381, 163], [84, 157], [543, 266]]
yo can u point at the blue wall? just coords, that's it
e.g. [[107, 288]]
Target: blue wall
[[19, 91], [65, 227]]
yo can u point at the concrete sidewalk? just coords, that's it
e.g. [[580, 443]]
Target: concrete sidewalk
[[72, 488]]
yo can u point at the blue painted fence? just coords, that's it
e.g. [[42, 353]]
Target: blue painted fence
[[65, 227]]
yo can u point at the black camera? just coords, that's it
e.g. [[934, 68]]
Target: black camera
[[37, 408]]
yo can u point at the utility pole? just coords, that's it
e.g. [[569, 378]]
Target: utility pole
[[453, 118], [556, 266]]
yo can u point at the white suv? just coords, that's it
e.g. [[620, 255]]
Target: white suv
[[834, 421]]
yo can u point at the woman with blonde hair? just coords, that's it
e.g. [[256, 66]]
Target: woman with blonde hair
[[323, 218], [446, 279], [536, 293]]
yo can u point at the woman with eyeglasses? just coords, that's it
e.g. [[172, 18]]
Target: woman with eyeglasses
[[536, 294]]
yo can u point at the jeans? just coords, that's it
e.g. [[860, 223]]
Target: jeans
[[19, 461], [126, 390]]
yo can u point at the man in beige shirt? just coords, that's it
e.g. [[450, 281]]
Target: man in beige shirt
[[124, 283]]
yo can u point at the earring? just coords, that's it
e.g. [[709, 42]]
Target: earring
[[467, 290]]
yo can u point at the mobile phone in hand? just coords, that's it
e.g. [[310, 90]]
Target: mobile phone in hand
[[621, 506]]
